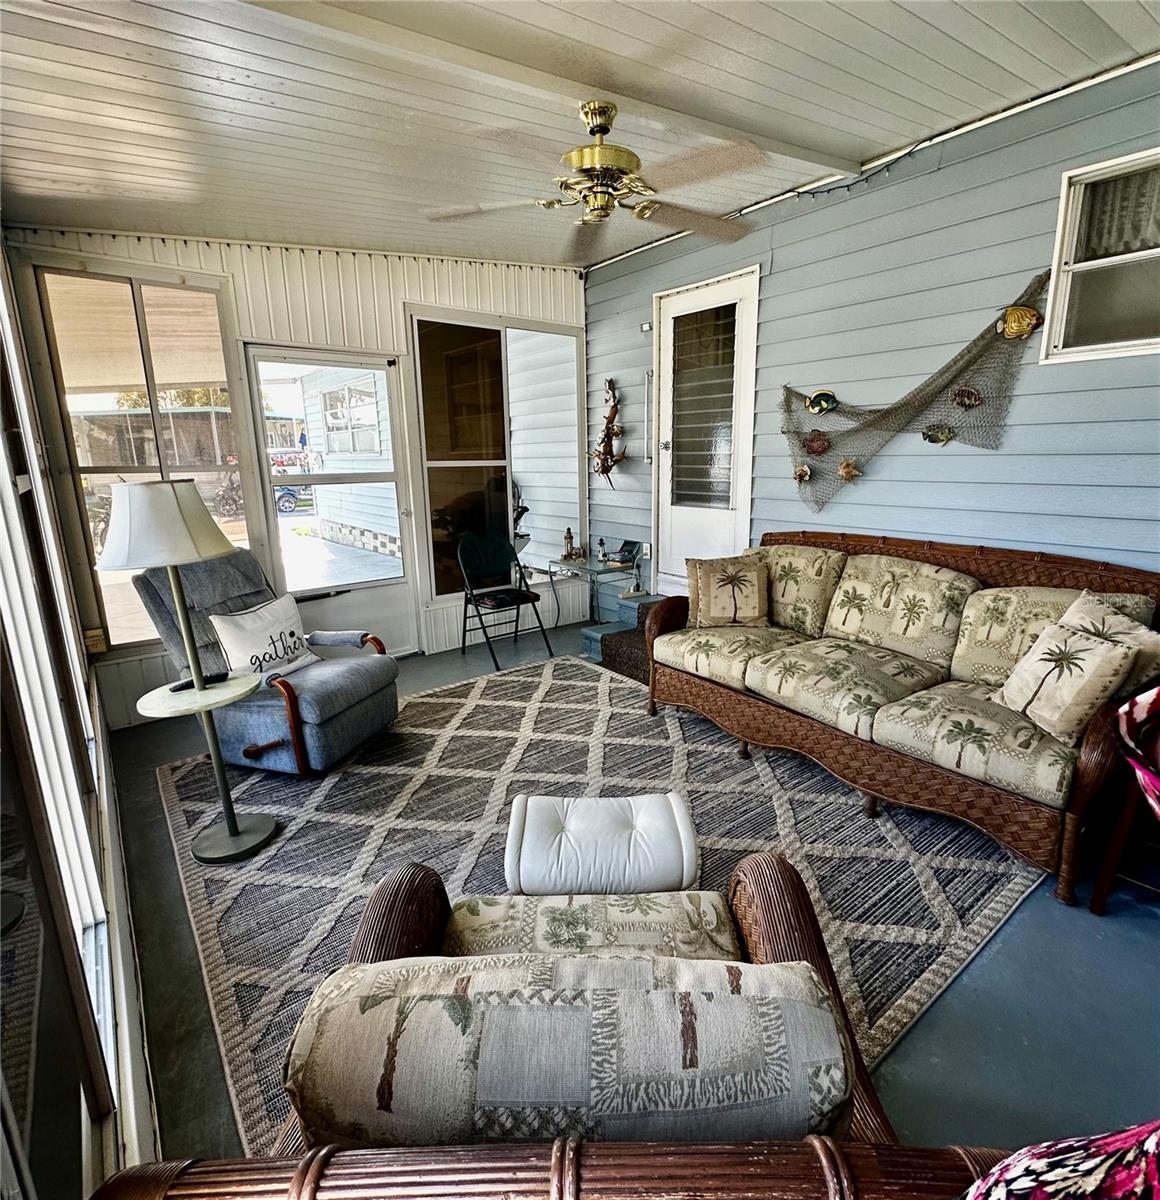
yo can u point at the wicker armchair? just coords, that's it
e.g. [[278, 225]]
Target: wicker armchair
[[405, 916]]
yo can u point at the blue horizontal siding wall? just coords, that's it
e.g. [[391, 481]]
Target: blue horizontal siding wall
[[870, 293]]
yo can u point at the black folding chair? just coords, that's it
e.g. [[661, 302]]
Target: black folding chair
[[486, 560]]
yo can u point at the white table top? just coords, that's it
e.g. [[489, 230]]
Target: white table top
[[161, 702]]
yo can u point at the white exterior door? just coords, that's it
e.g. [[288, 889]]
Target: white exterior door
[[707, 343]]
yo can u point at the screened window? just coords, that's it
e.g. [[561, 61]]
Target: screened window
[[1106, 283], [142, 378]]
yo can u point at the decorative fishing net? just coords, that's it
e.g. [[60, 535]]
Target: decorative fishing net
[[966, 400]]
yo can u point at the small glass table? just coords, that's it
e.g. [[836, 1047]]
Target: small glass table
[[593, 569]]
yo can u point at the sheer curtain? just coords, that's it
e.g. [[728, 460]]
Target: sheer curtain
[[1120, 216]]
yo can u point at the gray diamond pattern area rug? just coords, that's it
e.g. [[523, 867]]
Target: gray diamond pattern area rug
[[905, 900]]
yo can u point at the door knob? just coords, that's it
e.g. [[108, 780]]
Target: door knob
[[404, 512], [666, 445]]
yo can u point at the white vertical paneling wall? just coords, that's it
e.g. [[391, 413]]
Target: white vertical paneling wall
[[341, 299], [323, 299], [872, 291]]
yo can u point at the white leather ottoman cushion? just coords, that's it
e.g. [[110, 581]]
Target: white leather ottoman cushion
[[600, 845]]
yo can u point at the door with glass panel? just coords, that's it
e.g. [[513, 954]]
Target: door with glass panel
[[334, 472], [707, 344], [142, 379]]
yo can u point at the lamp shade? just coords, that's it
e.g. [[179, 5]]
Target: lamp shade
[[159, 524]]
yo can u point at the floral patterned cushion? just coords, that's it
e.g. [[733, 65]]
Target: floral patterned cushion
[[1001, 624], [802, 580], [672, 924], [1064, 678], [841, 683], [720, 654], [1094, 615], [727, 591], [530, 1047], [901, 604], [1109, 1166], [956, 725]]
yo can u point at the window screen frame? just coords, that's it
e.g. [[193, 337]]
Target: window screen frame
[[1064, 268]]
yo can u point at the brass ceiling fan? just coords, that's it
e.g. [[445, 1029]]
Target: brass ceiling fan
[[605, 177]]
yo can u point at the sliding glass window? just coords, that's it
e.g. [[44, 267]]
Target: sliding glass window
[[142, 378]]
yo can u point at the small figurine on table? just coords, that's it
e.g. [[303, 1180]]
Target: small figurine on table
[[571, 550]]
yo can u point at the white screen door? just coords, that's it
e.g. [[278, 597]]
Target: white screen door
[[707, 342]]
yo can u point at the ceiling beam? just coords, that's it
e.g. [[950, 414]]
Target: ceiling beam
[[355, 28]]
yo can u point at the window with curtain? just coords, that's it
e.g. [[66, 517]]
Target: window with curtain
[[1106, 281]]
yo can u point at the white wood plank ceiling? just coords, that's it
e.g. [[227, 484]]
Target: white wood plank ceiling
[[340, 124]]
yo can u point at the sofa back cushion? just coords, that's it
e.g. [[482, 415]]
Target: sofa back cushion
[[901, 604], [802, 581], [439, 1051], [687, 924], [1000, 625], [727, 591]]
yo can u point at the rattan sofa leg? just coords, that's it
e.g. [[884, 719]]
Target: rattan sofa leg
[[1068, 854], [775, 916], [869, 804], [743, 750]]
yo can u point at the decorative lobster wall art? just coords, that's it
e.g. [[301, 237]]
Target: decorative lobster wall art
[[606, 455]]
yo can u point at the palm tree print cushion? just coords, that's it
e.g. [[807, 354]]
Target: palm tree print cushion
[[802, 581], [841, 683], [727, 591], [958, 726], [1000, 625], [675, 924], [530, 1047], [1092, 614], [901, 604], [1063, 679], [720, 654]]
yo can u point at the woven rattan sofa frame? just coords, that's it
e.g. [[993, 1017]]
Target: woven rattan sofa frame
[[407, 915], [1046, 837]]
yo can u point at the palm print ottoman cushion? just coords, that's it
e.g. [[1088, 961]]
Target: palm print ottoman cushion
[[958, 726], [720, 654], [841, 683], [1109, 1166], [1001, 624], [1064, 678], [439, 1051], [802, 581], [901, 604], [676, 924]]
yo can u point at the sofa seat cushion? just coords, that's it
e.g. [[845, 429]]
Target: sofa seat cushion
[[802, 580], [448, 1051], [1000, 625], [720, 654], [332, 685], [838, 682], [669, 924], [955, 725], [900, 604]]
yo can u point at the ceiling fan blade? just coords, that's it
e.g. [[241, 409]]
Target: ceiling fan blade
[[692, 221], [541, 150], [583, 242], [699, 165], [474, 210]]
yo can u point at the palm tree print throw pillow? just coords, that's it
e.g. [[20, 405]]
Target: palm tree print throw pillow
[[1094, 615], [728, 591], [1063, 679]]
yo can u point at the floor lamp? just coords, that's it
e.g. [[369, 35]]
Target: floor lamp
[[165, 523]]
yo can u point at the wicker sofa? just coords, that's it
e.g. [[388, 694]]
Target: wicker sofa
[[852, 695], [408, 915]]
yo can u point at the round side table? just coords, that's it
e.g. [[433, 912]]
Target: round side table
[[236, 837]]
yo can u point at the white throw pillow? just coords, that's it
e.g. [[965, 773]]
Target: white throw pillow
[[266, 638]]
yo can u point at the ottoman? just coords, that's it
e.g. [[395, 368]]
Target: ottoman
[[600, 845]]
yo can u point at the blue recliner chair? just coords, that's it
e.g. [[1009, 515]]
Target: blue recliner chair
[[301, 724]]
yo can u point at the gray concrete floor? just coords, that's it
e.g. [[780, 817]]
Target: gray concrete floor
[[1051, 1029]]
